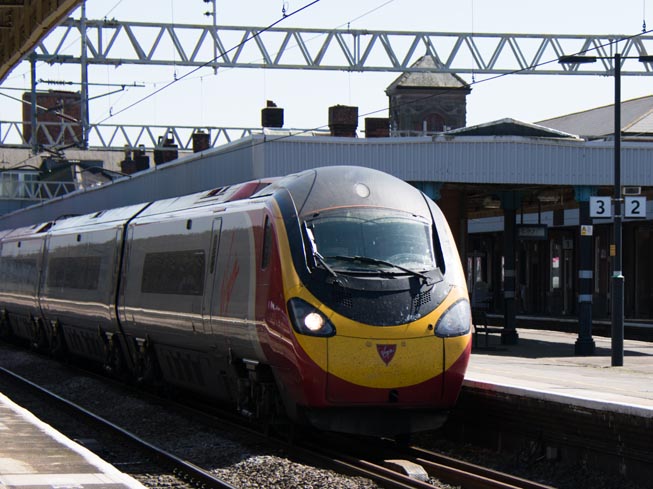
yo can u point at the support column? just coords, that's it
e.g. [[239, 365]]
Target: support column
[[585, 343], [84, 77], [33, 140], [510, 201]]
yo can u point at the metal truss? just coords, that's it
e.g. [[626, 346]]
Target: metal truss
[[35, 191], [117, 136], [113, 42]]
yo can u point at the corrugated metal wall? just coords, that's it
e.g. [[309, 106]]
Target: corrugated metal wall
[[463, 159]]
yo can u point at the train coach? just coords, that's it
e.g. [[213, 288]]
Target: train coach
[[333, 297]]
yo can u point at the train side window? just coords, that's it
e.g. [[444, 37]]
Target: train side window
[[79, 272], [174, 272], [267, 243]]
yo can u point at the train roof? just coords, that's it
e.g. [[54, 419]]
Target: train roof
[[26, 232], [219, 195], [325, 187]]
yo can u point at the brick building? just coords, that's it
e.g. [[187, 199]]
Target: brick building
[[427, 102]]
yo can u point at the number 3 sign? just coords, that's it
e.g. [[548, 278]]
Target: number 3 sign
[[600, 207]]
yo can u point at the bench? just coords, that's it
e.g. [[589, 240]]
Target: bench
[[480, 326]]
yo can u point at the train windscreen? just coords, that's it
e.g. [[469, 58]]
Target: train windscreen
[[359, 237]]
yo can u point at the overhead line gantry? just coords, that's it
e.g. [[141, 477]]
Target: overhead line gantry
[[112, 42]]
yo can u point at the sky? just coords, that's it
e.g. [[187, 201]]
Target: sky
[[235, 97]]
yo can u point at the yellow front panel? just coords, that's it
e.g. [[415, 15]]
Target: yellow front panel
[[367, 363]]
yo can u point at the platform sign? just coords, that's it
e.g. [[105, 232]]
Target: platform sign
[[600, 207], [635, 207], [532, 231]]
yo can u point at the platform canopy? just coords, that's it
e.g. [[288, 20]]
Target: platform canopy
[[23, 23]]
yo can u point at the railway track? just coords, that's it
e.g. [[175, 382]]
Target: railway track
[[187, 471], [380, 461], [396, 466]]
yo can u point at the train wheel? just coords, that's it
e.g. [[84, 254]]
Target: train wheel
[[115, 361], [39, 339], [147, 366], [57, 342]]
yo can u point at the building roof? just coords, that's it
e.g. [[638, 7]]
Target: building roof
[[475, 160], [24, 24], [510, 127], [636, 119], [428, 79]]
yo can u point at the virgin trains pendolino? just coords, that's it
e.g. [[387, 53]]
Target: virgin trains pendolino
[[333, 297]]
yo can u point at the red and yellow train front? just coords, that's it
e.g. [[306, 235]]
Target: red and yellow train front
[[379, 326], [381, 380]]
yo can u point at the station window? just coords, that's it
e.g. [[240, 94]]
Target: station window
[[556, 265]]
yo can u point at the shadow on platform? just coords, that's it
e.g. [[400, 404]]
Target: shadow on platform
[[531, 348]]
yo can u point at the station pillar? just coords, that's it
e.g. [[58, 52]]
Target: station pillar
[[510, 202], [585, 343], [452, 204]]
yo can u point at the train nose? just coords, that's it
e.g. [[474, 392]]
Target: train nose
[[381, 371]]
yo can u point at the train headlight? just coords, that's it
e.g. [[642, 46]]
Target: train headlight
[[308, 320], [455, 321]]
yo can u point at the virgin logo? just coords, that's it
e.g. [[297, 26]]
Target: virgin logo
[[386, 352]]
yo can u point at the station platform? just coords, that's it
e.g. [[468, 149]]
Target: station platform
[[33, 455], [543, 365]]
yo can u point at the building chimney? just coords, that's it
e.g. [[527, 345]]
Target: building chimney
[[377, 127], [201, 141], [272, 116], [166, 150], [343, 120]]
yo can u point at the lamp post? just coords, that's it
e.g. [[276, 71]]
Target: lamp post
[[616, 248], [617, 272]]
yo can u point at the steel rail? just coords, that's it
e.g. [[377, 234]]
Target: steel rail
[[184, 469]]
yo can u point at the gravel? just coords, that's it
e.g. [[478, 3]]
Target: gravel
[[241, 460]]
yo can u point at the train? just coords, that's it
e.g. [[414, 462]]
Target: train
[[333, 297]]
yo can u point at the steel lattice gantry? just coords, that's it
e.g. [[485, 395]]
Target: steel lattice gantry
[[111, 42], [123, 42]]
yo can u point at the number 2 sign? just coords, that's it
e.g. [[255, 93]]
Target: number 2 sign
[[635, 207]]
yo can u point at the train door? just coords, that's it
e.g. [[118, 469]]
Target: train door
[[212, 274]]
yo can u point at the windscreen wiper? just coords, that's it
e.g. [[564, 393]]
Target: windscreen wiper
[[376, 261], [316, 254], [324, 264]]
